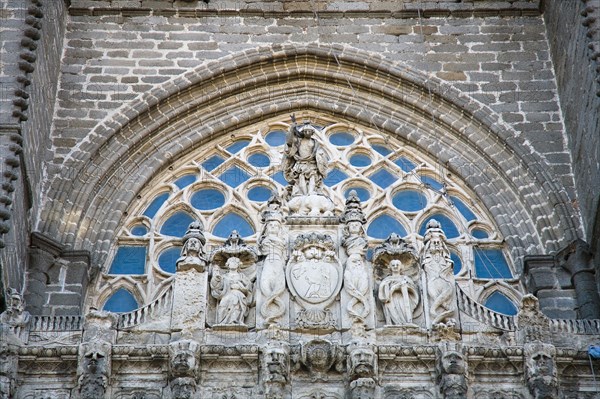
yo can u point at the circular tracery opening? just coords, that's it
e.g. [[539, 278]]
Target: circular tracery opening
[[225, 183]]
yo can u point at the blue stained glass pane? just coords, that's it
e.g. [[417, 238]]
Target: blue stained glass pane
[[341, 139], [129, 260], [185, 181], [275, 138], [491, 263], [231, 222], [383, 150], [405, 164], [212, 162], [176, 225], [209, 198], [370, 254], [259, 194], [167, 260], [385, 225], [436, 185], [409, 201], [360, 160], [463, 209], [457, 262], [479, 234], [139, 230], [500, 303], [237, 146], [363, 193], [279, 178], [383, 178], [155, 205], [259, 160], [120, 302], [234, 176], [448, 226], [334, 177]]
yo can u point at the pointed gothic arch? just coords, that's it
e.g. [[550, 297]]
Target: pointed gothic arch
[[146, 136]]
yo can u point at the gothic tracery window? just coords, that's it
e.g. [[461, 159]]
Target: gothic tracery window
[[225, 183]]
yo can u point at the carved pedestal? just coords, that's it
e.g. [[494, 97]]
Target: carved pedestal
[[189, 301]]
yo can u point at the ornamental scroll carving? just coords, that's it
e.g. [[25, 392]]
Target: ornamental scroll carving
[[273, 246], [439, 274]]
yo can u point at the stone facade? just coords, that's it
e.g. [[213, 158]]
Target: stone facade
[[440, 166]]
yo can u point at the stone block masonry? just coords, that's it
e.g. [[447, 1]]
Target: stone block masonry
[[112, 58]]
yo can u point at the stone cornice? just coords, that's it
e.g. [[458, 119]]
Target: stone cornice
[[479, 11]]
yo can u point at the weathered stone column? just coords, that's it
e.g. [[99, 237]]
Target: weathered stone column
[[191, 284], [578, 261]]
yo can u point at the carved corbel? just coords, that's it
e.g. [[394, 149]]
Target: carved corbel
[[451, 369], [540, 370], [276, 369], [9, 360], [183, 368], [362, 370], [94, 369]]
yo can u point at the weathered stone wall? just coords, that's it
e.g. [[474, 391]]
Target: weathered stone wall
[[115, 56], [576, 75], [31, 48]]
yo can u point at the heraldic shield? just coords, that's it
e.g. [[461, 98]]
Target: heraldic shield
[[314, 276]]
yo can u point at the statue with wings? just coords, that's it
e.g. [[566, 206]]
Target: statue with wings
[[305, 161]]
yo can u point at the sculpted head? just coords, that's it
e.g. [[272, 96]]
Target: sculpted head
[[453, 363], [542, 364], [95, 362], [362, 362], [184, 362], [395, 265], [233, 263], [355, 261]]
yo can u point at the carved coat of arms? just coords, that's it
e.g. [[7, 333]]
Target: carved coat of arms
[[314, 276]]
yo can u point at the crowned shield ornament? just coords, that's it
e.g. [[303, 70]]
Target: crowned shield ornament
[[314, 276]]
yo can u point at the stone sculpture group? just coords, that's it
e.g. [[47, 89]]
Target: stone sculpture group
[[309, 272]]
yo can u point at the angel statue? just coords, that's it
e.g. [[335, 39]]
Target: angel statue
[[305, 161]]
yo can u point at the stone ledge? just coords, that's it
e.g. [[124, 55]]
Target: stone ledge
[[404, 14]]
